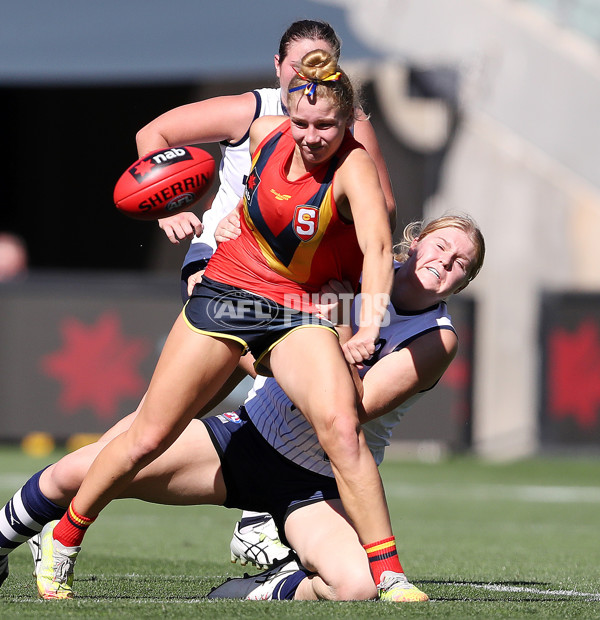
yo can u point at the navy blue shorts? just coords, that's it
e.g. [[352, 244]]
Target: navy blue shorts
[[255, 322], [257, 477]]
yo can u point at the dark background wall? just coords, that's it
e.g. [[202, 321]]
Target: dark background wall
[[68, 146], [78, 351]]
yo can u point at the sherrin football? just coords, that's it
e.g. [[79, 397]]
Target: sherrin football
[[164, 182]]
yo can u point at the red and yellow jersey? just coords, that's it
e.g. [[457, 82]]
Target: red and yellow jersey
[[293, 239]]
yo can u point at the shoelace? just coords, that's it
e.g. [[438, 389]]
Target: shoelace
[[62, 568], [274, 541], [392, 581]]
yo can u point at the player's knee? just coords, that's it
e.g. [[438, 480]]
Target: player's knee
[[355, 585], [144, 447], [65, 477], [339, 437]]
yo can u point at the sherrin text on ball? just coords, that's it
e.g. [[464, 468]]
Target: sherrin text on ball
[[164, 182]]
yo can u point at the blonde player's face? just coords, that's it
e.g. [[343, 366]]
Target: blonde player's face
[[317, 127], [295, 52], [441, 261]]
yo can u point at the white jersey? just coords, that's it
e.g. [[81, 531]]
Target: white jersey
[[288, 431], [234, 168]]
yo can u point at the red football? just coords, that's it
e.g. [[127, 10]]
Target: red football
[[164, 182]]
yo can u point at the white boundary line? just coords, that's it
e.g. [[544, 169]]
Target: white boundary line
[[592, 596], [492, 587], [517, 492]]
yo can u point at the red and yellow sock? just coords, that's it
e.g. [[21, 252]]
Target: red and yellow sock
[[71, 529], [383, 556]]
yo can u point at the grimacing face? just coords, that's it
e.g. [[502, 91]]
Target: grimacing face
[[443, 259]]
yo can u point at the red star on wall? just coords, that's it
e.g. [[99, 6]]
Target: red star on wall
[[97, 366], [573, 371]]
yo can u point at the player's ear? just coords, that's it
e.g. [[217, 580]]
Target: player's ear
[[413, 247], [277, 66]]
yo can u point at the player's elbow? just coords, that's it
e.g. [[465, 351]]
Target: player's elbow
[[141, 138], [148, 138]]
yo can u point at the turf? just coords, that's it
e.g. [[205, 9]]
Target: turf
[[517, 540]]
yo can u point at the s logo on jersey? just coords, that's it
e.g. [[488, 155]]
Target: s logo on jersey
[[306, 222]]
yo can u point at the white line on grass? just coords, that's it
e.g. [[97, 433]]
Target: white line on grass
[[140, 600], [485, 492], [492, 587]]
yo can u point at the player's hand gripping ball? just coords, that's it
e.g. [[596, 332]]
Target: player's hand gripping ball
[[164, 182]]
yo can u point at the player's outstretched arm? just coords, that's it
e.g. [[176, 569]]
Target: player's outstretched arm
[[220, 119]]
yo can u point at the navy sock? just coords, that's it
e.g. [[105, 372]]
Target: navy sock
[[286, 589], [25, 514]]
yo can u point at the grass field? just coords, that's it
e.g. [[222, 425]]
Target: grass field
[[486, 541]]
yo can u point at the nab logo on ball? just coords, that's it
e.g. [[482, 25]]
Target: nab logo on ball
[[164, 182], [141, 170]]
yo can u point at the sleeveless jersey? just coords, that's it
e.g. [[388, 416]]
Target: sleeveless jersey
[[293, 239], [233, 170], [288, 431]]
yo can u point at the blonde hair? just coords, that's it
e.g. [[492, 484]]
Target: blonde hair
[[420, 229], [320, 68]]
